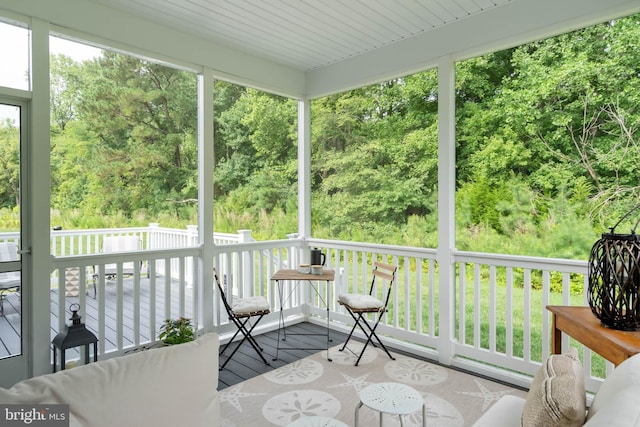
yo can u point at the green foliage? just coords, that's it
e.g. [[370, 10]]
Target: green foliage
[[176, 331], [9, 161], [125, 137], [10, 219], [546, 149]]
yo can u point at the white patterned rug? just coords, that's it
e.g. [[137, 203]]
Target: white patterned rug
[[316, 387]]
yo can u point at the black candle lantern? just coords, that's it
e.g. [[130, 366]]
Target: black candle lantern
[[614, 279], [74, 335]]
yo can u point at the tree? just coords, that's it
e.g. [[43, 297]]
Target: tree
[[143, 116]]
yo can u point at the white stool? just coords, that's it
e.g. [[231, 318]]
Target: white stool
[[317, 422], [391, 398]]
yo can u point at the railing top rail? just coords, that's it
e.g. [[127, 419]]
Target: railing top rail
[[113, 257], [375, 247], [520, 261], [265, 244], [98, 231]]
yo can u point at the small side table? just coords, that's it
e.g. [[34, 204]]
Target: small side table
[[391, 398], [580, 323], [317, 422], [284, 275]]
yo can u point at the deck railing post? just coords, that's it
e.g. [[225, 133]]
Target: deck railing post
[[295, 255], [152, 235], [244, 236], [192, 240]]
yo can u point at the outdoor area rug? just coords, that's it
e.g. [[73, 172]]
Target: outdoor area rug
[[316, 387]]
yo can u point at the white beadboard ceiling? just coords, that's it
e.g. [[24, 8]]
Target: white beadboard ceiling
[[305, 34]]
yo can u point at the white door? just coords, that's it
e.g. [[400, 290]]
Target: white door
[[13, 315]]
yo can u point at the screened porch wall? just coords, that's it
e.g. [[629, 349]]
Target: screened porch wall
[[502, 327]]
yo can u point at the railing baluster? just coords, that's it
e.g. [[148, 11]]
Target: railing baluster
[[509, 313], [462, 302]]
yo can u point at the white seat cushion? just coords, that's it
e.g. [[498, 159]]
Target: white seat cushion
[[505, 412], [360, 302], [250, 305]]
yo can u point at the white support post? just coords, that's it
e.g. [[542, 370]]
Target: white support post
[[446, 206], [37, 265], [204, 279], [304, 168]]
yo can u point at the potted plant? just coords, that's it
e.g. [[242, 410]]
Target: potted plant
[[176, 331]]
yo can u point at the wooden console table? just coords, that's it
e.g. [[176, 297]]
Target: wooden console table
[[581, 324]]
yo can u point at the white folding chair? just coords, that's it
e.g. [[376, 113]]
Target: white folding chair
[[240, 311], [359, 306]]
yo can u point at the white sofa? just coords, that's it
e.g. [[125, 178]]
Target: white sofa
[[169, 386], [614, 405]]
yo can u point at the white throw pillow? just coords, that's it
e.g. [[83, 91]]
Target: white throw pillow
[[557, 396], [626, 374], [621, 410]]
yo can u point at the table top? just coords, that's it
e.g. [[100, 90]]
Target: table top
[[286, 274], [317, 422], [580, 323], [391, 398]]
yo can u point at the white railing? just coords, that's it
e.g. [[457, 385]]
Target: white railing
[[502, 327], [126, 311], [502, 318]]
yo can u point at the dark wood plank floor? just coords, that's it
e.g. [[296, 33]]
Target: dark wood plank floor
[[10, 326], [246, 364]]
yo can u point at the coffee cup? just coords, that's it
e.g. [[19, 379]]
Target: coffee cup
[[316, 269], [304, 269]]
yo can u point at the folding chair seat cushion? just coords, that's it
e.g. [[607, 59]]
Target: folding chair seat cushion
[[360, 302], [246, 306]]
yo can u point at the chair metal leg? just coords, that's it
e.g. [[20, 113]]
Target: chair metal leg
[[370, 334], [350, 334], [95, 289], [3, 296], [246, 337]]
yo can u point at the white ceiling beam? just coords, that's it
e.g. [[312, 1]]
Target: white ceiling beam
[[491, 30]]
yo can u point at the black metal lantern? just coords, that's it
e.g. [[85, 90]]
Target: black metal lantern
[[74, 335], [614, 279]]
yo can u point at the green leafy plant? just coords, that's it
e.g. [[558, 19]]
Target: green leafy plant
[[176, 331]]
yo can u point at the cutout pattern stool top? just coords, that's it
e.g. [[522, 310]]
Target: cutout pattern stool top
[[391, 398]]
